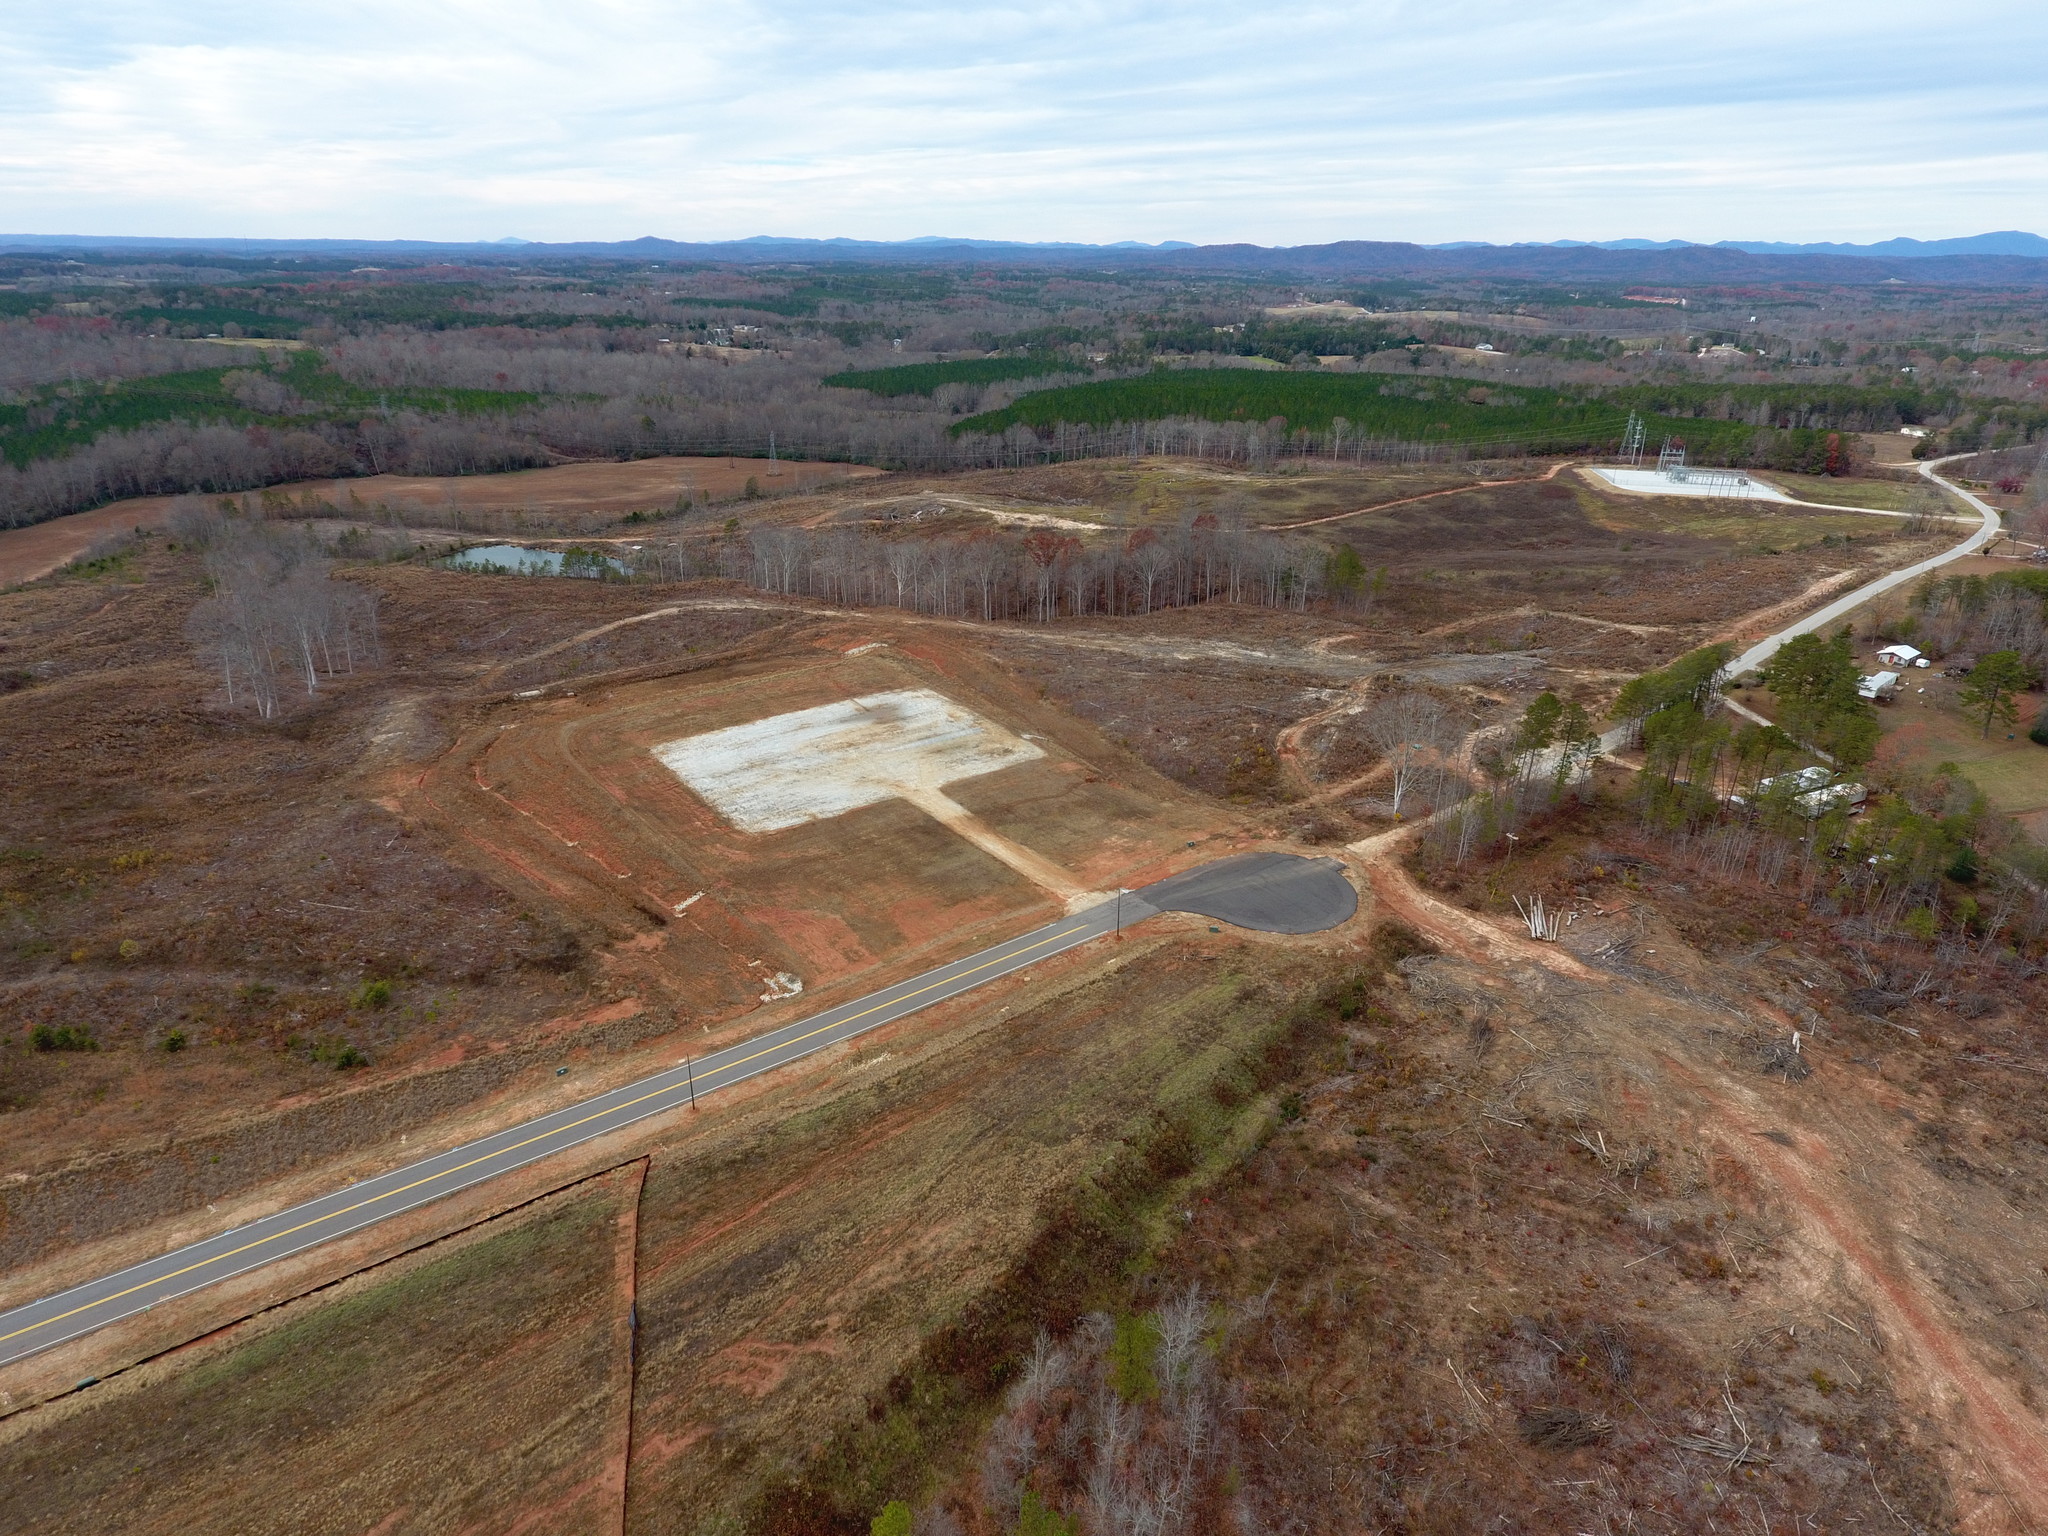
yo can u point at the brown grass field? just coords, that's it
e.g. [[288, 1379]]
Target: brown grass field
[[573, 491]]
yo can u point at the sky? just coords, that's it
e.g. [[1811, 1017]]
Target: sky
[[1279, 124]]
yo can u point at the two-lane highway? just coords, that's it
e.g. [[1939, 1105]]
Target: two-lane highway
[[1272, 892], [42, 1324]]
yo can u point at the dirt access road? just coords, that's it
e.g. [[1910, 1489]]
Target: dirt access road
[[1809, 1168]]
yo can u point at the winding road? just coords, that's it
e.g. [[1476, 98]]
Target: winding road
[[1987, 531], [1270, 892], [1617, 737]]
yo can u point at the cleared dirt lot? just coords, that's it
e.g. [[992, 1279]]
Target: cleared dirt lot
[[565, 797], [192, 871]]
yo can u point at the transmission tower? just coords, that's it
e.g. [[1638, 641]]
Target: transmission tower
[[1632, 440]]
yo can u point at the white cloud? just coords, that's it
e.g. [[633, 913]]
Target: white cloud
[[1480, 119]]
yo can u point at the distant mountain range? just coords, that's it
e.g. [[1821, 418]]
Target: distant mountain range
[[2008, 256], [2005, 242]]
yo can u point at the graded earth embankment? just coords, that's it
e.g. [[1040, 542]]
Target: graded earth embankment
[[480, 1383], [570, 798]]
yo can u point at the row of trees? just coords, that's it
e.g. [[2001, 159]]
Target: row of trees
[[274, 617], [1046, 574], [1520, 769], [1127, 1419], [179, 458], [618, 394], [1814, 681], [1890, 862], [1928, 860]]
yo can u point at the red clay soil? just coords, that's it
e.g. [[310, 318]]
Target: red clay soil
[[625, 1326], [2009, 1437], [27, 554], [1460, 933], [1945, 1373]]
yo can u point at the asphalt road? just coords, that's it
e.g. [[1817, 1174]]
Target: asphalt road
[[1987, 530], [1280, 889], [1621, 736], [1272, 892]]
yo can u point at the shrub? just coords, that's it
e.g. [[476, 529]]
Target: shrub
[[340, 1055], [894, 1520], [372, 994], [174, 1041], [1131, 1353], [1253, 773], [1036, 1520], [62, 1037], [1921, 924], [2039, 734]]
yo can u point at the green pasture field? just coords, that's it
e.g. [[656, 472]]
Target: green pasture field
[[1885, 495]]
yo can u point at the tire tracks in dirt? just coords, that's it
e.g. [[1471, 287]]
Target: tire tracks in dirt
[[1760, 621], [1530, 611], [1406, 501], [626, 1262]]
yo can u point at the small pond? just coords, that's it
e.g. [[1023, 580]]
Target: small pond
[[517, 560]]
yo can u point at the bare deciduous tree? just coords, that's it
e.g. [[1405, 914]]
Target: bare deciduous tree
[[1412, 732], [274, 609]]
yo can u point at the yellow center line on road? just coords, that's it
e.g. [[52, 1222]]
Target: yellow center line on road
[[516, 1146]]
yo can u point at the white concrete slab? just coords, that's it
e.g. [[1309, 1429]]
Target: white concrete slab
[[1650, 482], [789, 769]]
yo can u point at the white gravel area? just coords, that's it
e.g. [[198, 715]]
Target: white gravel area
[[789, 769]]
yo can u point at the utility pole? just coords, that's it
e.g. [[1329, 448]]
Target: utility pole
[[691, 1073]]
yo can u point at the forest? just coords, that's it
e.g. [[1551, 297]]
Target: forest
[[139, 375]]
